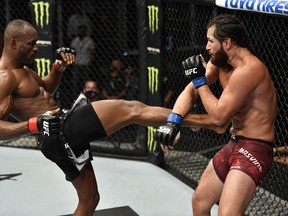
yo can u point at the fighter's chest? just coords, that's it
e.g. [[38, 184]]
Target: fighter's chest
[[27, 88]]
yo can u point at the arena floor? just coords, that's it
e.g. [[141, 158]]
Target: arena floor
[[32, 185]]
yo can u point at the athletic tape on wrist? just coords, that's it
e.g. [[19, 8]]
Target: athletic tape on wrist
[[199, 81], [176, 118], [58, 67], [32, 125]]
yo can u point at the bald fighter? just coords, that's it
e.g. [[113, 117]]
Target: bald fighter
[[63, 135]]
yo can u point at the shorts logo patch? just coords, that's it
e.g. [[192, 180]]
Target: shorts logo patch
[[252, 159], [236, 165]]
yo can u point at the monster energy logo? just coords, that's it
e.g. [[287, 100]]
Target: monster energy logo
[[41, 10], [152, 144], [43, 66], [153, 74], [153, 14]]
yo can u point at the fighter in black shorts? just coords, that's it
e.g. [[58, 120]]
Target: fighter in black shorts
[[71, 150], [65, 139]]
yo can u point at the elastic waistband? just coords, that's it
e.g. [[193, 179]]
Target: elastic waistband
[[236, 138]]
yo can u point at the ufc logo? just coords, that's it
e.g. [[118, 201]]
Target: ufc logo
[[46, 128], [191, 71], [165, 130]]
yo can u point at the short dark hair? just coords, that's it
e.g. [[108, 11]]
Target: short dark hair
[[228, 26], [14, 28]]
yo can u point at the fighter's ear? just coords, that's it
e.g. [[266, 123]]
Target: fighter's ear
[[227, 43], [12, 43]]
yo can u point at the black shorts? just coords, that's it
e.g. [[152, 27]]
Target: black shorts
[[71, 150]]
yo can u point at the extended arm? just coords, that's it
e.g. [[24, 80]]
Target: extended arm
[[9, 130], [203, 121]]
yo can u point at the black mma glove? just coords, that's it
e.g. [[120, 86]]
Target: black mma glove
[[195, 70], [56, 64], [64, 50], [166, 134], [48, 125]]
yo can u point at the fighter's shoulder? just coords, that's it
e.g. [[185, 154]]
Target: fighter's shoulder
[[252, 65], [7, 75], [252, 71]]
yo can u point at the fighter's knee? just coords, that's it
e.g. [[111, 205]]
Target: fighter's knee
[[95, 198], [195, 200], [87, 204], [92, 203], [199, 206]]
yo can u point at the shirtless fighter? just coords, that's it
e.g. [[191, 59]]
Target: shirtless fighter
[[28, 98], [248, 100]]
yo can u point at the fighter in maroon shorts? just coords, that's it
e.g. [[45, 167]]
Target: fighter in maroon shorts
[[248, 100]]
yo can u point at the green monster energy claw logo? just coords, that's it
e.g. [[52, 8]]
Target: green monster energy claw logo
[[41, 10], [43, 66], [152, 144], [153, 15], [153, 77]]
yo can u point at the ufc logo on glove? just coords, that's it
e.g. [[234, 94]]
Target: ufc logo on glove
[[164, 130], [191, 71], [46, 128]]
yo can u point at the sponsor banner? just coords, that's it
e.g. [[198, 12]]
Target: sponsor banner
[[153, 18], [154, 15], [42, 13], [279, 7], [43, 20], [153, 80], [154, 35], [152, 144], [154, 65], [43, 66]]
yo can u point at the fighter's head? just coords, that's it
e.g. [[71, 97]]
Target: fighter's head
[[225, 28], [228, 26], [20, 39]]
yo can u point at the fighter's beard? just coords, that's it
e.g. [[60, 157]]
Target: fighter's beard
[[220, 59]]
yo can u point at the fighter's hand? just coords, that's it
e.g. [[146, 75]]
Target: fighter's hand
[[194, 69], [167, 148], [64, 57], [47, 124], [166, 134]]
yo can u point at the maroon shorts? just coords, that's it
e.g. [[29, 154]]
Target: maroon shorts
[[251, 156]]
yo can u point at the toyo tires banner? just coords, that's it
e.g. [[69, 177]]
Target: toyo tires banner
[[279, 7]]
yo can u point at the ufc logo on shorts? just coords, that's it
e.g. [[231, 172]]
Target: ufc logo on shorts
[[165, 130], [46, 128], [190, 71]]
